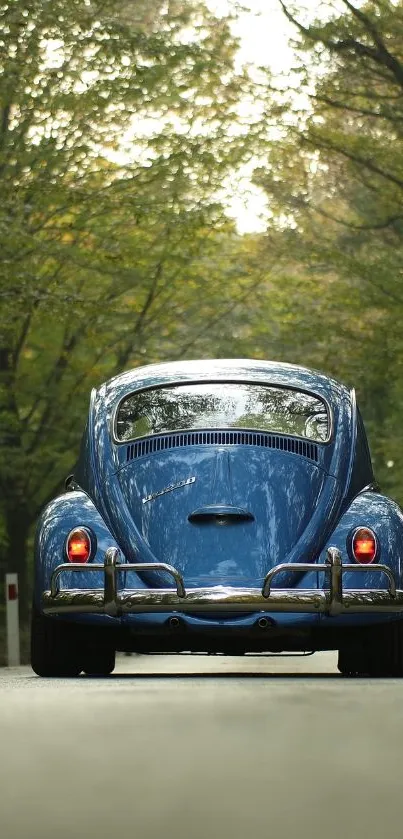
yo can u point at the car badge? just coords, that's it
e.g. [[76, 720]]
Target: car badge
[[169, 488]]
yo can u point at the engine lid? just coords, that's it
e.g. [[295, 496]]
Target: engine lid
[[222, 515]]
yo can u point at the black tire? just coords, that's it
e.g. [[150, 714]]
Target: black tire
[[380, 655], [54, 646], [386, 653], [353, 661], [99, 662]]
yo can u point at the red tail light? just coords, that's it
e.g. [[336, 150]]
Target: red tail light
[[364, 545], [78, 545]]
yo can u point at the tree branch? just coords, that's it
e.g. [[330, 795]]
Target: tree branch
[[359, 227], [379, 54], [314, 140], [384, 55], [342, 105]]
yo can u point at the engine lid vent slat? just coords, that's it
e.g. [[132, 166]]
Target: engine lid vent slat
[[162, 442]]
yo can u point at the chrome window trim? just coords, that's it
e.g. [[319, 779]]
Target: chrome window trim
[[172, 384]]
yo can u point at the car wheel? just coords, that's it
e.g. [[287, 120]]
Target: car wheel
[[386, 651], [380, 656], [99, 662], [54, 648], [352, 662]]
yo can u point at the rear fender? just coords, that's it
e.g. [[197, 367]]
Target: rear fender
[[72, 509], [384, 517]]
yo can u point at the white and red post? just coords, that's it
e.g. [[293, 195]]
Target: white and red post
[[12, 619]]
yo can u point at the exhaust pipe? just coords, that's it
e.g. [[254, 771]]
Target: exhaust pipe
[[263, 623], [174, 622]]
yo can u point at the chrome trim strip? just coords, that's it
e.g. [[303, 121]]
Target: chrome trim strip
[[333, 562], [169, 488], [288, 566], [221, 599], [392, 590], [71, 566], [113, 601], [110, 583], [111, 567]]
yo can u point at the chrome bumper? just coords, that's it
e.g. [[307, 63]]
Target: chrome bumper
[[110, 600]]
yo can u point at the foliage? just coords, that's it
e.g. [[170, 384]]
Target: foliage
[[335, 186], [118, 127]]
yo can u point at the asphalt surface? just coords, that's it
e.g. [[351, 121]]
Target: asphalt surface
[[199, 747]]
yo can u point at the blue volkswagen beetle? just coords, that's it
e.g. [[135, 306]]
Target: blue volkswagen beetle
[[221, 506]]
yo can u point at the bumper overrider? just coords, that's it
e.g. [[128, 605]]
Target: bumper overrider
[[115, 601]]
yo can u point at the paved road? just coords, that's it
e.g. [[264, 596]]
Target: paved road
[[202, 748]]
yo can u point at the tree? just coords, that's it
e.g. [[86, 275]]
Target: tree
[[335, 184], [108, 256]]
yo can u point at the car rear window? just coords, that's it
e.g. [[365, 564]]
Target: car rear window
[[222, 405]]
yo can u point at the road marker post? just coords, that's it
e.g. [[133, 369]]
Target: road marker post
[[12, 619]]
